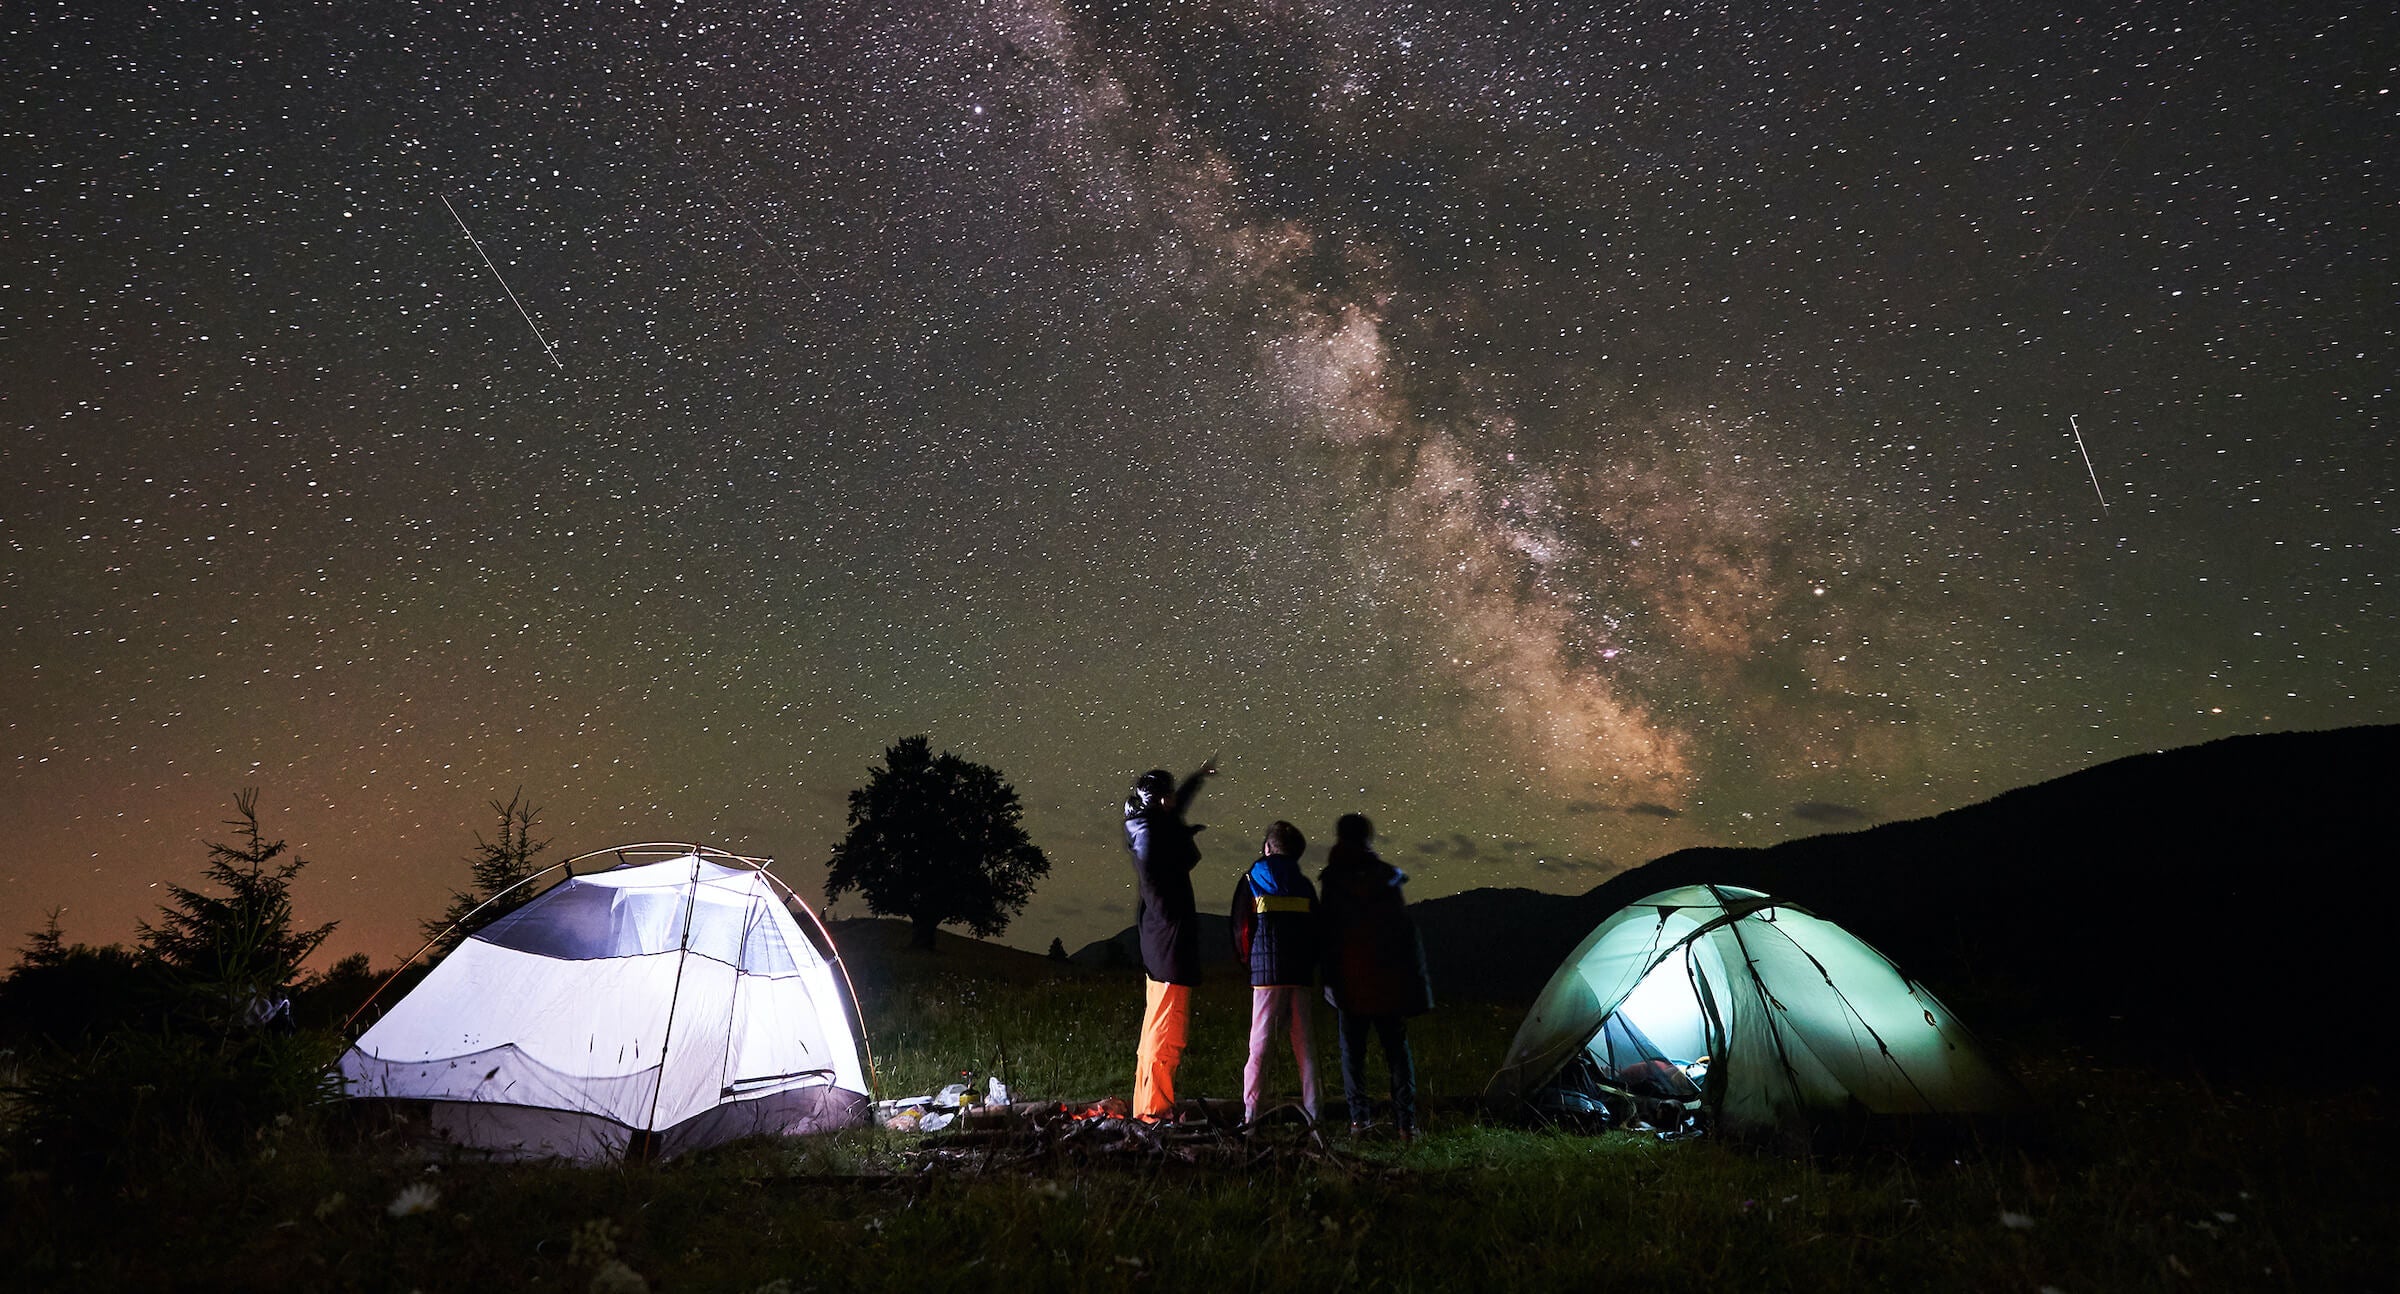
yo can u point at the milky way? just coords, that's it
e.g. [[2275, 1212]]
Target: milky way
[[1564, 433]]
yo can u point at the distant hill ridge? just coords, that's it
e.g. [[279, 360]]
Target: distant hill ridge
[[2184, 897], [2153, 899]]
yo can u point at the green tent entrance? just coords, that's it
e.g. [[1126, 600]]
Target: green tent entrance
[[1780, 1018]]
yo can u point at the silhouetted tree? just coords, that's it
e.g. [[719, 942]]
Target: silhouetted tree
[[938, 840], [497, 866], [1058, 949], [62, 992], [49, 946], [329, 999], [237, 952]]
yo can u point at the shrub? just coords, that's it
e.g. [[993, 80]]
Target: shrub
[[146, 1099], [75, 993]]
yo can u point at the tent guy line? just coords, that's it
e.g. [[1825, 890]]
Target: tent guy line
[[477, 244]]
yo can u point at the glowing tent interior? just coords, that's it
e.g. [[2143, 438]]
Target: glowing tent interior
[[1779, 1017], [670, 1002]]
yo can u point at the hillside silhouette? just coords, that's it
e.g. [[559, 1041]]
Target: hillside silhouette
[[2175, 904], [2182, 903], [1123, 950]]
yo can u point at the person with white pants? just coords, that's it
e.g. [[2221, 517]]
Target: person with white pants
[[1275, 935]]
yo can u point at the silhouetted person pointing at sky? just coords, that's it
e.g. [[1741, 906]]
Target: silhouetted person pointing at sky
[[1164, 855]]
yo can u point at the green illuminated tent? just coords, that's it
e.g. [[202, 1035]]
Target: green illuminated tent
[[1781, 1016]]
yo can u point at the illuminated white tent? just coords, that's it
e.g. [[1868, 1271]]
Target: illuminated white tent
[[671, 1002], [1796, 1018]]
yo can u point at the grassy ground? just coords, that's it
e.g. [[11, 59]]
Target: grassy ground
[[2133, 1183], [1068, 1034]]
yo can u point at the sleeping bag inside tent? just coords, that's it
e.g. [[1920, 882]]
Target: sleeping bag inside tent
[[671, 1002], [1777, 1017]]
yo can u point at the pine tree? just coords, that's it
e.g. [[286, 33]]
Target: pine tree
[[938, 840], [235, 953], [497, 868], [49, 946], [60, 991]]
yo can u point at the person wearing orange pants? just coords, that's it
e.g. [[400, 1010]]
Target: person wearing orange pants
[[1166, 1023], [1164, 855]]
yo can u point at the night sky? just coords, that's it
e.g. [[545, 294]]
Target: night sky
[[1564, 433]]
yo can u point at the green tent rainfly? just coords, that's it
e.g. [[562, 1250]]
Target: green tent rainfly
[[1784, 1017]]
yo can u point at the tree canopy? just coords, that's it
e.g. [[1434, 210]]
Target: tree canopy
[[939, 840], [63, 992]]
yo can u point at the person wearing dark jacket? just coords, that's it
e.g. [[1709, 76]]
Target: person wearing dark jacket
[[1168, 918], [1374, 969], [1275, 934]]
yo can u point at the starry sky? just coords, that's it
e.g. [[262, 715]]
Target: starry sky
[[1563, 432]]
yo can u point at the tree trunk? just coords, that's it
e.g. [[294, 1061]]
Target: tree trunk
[[921, 933]]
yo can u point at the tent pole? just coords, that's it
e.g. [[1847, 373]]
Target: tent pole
[[421, 950], [1783, 1055], [1880, 1045], [858, 1016], [683, 956]]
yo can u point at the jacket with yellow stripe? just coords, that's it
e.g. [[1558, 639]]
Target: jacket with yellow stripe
[[1275, 923]]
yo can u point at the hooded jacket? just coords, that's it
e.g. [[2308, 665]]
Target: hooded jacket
[[1164, 855], [1275, 923]]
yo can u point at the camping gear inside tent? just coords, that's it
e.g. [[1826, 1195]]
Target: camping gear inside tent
[[1777, 1017], [668, 1003]]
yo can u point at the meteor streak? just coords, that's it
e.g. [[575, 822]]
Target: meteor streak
[[477, 244], [2087, 462]]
